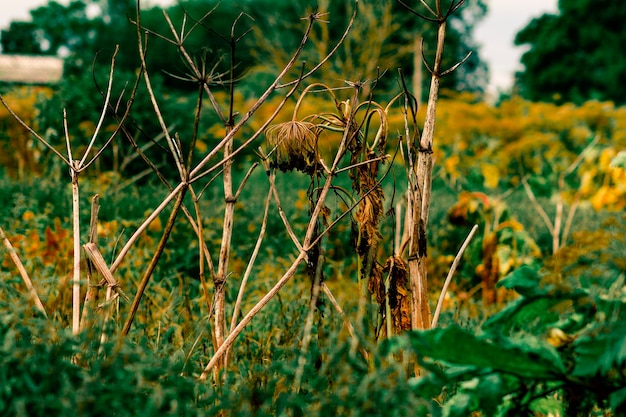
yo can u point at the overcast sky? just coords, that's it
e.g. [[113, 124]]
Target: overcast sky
[[495, 34]]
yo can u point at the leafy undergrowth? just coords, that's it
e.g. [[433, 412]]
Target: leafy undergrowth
[[45, 370], [557, 349]]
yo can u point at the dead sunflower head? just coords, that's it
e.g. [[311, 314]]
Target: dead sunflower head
[[294, 144]]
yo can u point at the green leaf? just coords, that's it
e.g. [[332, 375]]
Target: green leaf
[[601, 351], [547, 406], [456, 346], [619, 161], [486, 394], [524, 280], [460, 405], [527, 315], [618, 398]]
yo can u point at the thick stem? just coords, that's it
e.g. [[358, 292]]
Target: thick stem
[[420, 193], [227, 233], [202, 251], [92, 278], [229, 214], [76, 237]]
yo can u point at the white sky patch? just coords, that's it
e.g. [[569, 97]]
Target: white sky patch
[[497, 31]]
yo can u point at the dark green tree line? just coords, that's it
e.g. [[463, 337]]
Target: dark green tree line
[[575, 55], [72, 31]]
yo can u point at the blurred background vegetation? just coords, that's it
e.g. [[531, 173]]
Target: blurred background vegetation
[[541, 170]]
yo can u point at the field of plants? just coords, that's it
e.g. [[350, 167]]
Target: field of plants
[[284, 254]]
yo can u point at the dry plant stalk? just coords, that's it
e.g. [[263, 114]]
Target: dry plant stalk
[[93, 286], [453, 267], [558, 236], [295, 144], [20, 267], [77, 166], [189, 174], [311, 238], [420, 168]]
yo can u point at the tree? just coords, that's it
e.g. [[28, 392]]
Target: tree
[[383, 25], [55, 29], [86, 34], [473, 75], [573, 56]]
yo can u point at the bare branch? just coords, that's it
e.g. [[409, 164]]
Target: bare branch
[[194, 68], [458, 64], [107, 99], [182, 172], [453, 267], [421, 16], [542, 213], [20, 267], [32, 132], [332, 51]]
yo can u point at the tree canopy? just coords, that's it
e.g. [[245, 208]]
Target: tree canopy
[[384, 37], [575, 55]]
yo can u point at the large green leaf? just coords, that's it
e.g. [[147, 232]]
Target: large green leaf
[[527, 315], [484, 394], [541, 306], [456, 346], [603, 350], [524, 280]]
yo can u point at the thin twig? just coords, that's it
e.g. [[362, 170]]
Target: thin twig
[[253, 312], [153, 262], [342, 314], [20, 267], [542, 213], [332, 51], [308, 324], [446, 283], [248, 271], [174, 150], [107, 98]]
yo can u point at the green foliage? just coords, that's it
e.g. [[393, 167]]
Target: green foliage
[[472, 76], [44, 370], [560, 346], [383, 40], [572, 55], [55, 29]]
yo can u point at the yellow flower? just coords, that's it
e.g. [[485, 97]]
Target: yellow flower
[[28, 216]]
